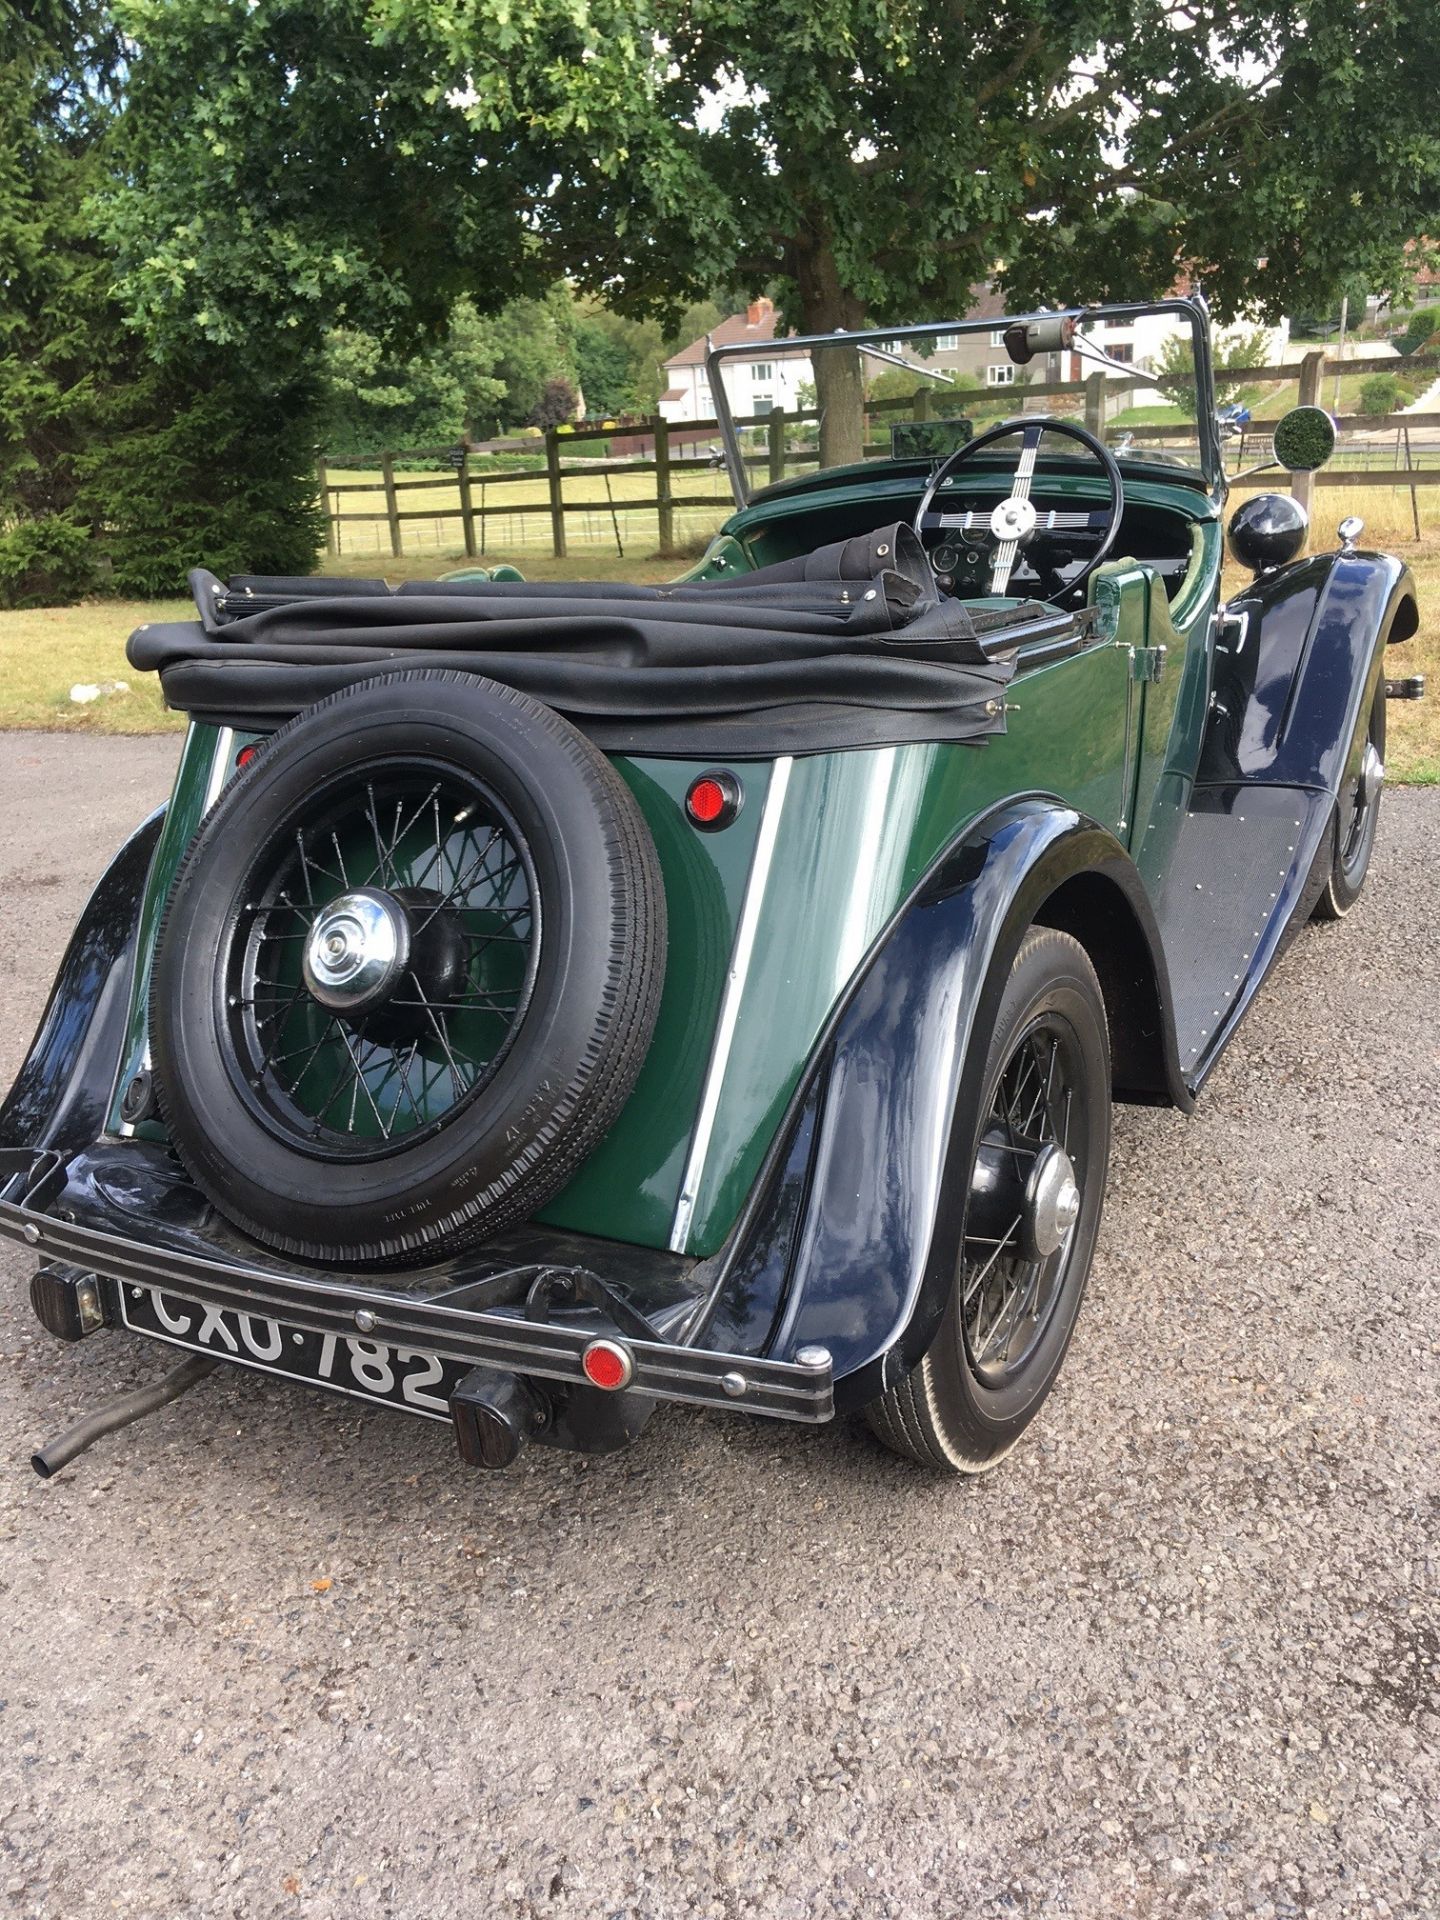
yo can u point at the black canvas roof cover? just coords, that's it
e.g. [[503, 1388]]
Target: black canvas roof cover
[[845, 647]]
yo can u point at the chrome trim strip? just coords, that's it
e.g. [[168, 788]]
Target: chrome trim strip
[[220, 768], [740, 958]]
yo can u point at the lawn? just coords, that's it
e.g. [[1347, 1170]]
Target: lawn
[[45, 652]]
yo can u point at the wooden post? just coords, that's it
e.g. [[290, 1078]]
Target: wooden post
[[664, 499], [1095, 404], [775, 429], [467, 505], [392, 505], [1414, 500], [323, 479], [1312, 372], [922, 402], [557, 496]]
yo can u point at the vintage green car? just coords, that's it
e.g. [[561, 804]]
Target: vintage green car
[[540, 1002]]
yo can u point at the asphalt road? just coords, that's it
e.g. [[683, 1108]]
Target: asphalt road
[[267, 1654]]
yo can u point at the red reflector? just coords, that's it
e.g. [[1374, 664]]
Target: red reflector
[[607, 1365], [713, 800], [245, 756]]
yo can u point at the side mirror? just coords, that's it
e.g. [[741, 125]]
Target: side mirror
[[1304, 439]]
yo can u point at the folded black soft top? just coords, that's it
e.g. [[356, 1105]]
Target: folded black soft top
[[845, 647]]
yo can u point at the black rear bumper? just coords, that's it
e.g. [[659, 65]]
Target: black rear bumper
[[528, 1306]]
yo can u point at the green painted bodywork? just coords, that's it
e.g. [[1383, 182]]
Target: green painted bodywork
[[857, 831]]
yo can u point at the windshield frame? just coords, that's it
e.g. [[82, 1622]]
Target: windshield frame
[[1190, 307]]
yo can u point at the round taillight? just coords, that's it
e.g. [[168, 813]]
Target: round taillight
[[607, 1364], [246, 755], [713, 800]]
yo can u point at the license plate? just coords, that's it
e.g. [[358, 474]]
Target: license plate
[[402, 1377]]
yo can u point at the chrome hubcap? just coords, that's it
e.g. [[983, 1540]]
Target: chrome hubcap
[[1372, 777], [1052, 1203], [357, 948]]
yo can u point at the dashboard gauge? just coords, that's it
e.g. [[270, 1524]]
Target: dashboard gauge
[[945, 558]]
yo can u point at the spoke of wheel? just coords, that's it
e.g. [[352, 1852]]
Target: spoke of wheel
[[284, 1013], [281, 1058], [1000, 1246], [347, 1064], [402, 1091], [361, 1081], [464, 881], [1025, 1297], [381, 872], [1037, 1105], [339, 859], [305, 867], [438, 1029], [400, 831]]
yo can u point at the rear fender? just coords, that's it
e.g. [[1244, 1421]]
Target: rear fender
[[62, 1093], [1297, 663], [851, 1237]]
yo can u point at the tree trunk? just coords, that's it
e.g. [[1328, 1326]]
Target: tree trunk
[[839, 379]]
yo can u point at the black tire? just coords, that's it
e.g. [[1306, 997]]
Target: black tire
[[536, 947], [966, 1404], [1351, 839]]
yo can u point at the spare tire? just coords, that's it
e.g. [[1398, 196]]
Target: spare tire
[[408, 971]]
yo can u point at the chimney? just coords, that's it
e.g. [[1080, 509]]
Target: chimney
[[759, 311]]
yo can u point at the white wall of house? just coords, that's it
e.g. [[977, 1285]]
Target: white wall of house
[[755, 384]]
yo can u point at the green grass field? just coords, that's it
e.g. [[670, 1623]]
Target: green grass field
[[45, 652]]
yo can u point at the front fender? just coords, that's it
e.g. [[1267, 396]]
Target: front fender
[[851, 1240], [1298, 665], [62, 1093]]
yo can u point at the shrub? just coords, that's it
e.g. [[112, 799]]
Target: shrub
[[198, 469], [1381, 393], [45, 562], [1420, 329]]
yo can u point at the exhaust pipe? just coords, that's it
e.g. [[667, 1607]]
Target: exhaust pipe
[[121, 1412]]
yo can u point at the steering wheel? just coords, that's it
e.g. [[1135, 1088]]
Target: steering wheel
[[1015, 522]]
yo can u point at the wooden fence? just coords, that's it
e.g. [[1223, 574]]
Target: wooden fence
[[466, 496]]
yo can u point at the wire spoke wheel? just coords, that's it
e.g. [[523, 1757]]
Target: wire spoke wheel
[[1026, 1194], [380, 969], [408, 972], [1025, 1184]]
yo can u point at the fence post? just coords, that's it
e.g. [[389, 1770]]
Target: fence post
[[322, 477], [1312, 372], [1095, 403], [392, 505], [557, 497], [664, 500], [922, 402], [775, 429], [467, 505]]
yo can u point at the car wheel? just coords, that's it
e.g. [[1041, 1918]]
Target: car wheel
[[1036, 1183], [408, 972], [1357, 819]]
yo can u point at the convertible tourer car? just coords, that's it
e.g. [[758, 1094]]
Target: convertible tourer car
[[539, 1003]]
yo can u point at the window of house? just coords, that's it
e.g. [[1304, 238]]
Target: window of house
[[762, 403], [997, 336], [947, 342], [1001, 376], [762, 370], [1122, 350]]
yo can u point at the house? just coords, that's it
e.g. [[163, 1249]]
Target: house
[[759, 384], [752, 385]]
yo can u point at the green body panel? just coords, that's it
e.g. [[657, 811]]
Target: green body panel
[[206, 761], [629, 1186], [854, 835], [857, 833]]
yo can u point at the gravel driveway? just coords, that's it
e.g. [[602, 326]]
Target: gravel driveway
[[265, 1654]]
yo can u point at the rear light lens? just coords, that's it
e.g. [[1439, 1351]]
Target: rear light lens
[[607, 1364], [246, 755], [713, 800]]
